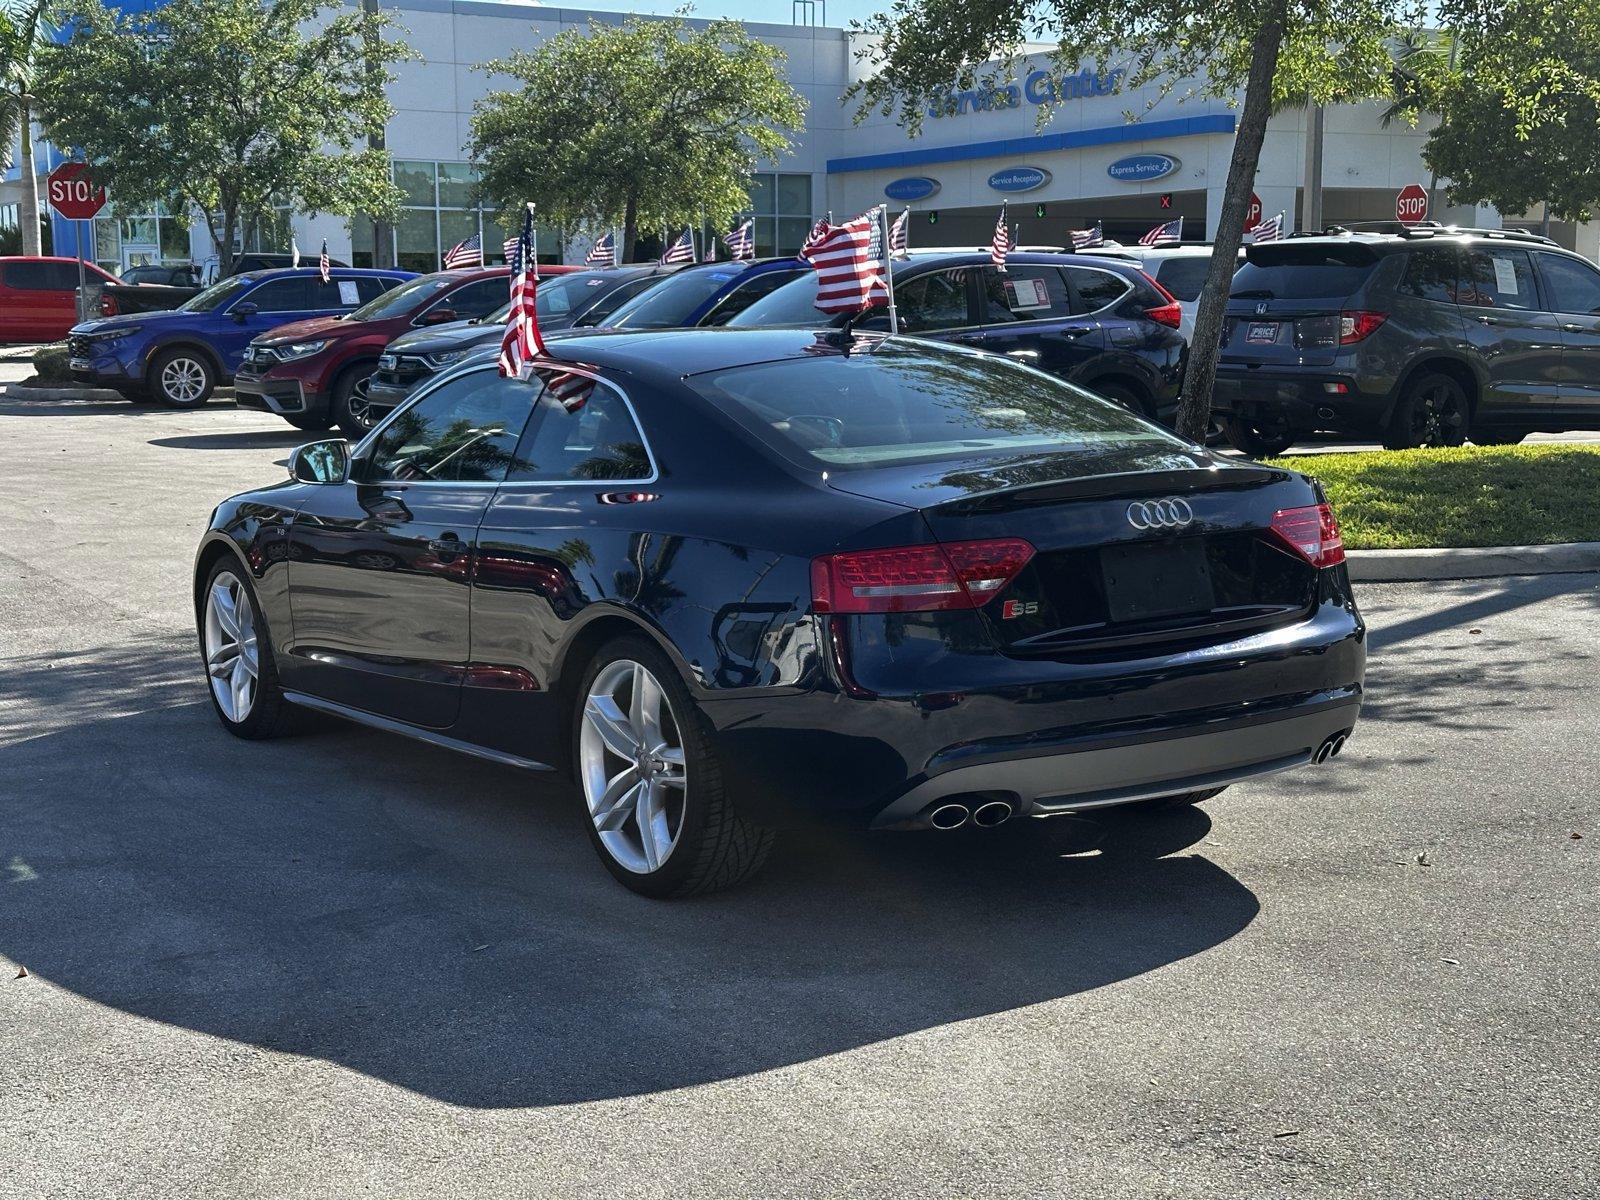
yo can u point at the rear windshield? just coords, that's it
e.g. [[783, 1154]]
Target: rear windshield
[[1290, 272], [905, 402], [1184, 277], [672, 301]]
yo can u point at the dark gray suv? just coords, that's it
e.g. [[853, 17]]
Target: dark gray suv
[[1420, 338]]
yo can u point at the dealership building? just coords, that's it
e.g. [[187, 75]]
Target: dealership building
[[1058, 146]]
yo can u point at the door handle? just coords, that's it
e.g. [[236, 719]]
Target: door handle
[[1574, 327], [447, 546], [1488, 320], [1022, 354]]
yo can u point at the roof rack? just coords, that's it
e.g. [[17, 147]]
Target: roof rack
[[1425, 229]]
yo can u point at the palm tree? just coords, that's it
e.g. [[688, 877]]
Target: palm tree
[[22, 31]]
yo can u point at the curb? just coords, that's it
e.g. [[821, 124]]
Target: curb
[[1473, 562], [15, 391]]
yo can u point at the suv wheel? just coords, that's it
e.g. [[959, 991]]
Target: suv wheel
[[182, 377], [1433, 412], [660, 815], [1259, 437], [352, 411], [1119, 394]]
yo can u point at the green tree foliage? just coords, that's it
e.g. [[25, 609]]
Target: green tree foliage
[[642, 124], [231, 106], [1276, 52], [1519, 103], [23, 33]]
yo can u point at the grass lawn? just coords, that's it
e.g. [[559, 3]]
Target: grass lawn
[[1461, 495]]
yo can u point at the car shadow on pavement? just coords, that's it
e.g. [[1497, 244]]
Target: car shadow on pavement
[[257, 439], [442, 924]]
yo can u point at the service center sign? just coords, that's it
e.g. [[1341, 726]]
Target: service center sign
[[1142, 168], [1019, 179], [71, 195], [913, 187]]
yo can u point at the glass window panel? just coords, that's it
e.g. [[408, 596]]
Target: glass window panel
[[464, 430], [107, 247], [792, 234], [174, 239], [418, 240], [767, 237], [763, 195], [794, 195], [455, 227], [456, 181], [598, 441], [139, 229], [415, 179]]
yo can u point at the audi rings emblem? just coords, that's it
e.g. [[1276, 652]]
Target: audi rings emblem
[[1171, 513]]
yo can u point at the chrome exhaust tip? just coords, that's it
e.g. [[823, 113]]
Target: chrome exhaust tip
[[993, 813], [949, 816], [1329, 748]]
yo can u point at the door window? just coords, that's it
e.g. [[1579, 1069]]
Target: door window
[[1572, 286], [746, 294], [40, 276], [1498, 279], [336, 293], [599, 440], [1023, 293], [475, 299], [1431, 274], [1097, 289], [937, 300], [280, 295], [464, 431]]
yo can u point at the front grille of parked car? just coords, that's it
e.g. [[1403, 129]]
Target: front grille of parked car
[[397, 370], [77, 346]]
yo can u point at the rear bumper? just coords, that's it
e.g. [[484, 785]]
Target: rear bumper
[[1309, 398]]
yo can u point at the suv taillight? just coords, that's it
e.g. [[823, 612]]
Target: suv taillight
[[1354, 326], [916, 578], [1312, 533], [108, 305], [1170, 313]]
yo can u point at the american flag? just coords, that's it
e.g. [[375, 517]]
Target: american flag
[[1087, 239], [522, 341], [818, 231], [741, 242], [681, 251], [323, 268], [567, 388], [509, 249], [1169, 233], [604, 253], [1269, 231], [849, 278], [1001, 245], [900, 235], [468, 252]]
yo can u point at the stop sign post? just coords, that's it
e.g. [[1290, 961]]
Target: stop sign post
[[76, 199], [1411, 204]]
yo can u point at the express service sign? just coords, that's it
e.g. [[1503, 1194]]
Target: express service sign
[[1019, 179], [1142, 168]]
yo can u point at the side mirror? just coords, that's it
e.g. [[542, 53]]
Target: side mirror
[[321, 462], [440, 316], [240, 311]]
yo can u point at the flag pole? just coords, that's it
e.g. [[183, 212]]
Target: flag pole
[[888, 271], [533, 259]]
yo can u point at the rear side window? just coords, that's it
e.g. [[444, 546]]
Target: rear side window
[[1430, 274], [336, 293], [1572, 286], [1023, 293], [937, 300], [600, 440], [1498, 279], [370, 287], [1097, 289], [41, 276], [1285, 271], [1185, 278]]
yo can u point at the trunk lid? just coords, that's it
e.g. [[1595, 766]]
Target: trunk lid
[[1286, 298]]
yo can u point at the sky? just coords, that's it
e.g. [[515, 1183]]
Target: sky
[[778, 12]]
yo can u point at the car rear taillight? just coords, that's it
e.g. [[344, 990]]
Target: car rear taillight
[[916, 578], [1170, 313], [108, 306], [1312, 533], [1354, 326]]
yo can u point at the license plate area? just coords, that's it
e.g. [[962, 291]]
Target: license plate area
[[1167, 579], [79, 364], [1262, 333]]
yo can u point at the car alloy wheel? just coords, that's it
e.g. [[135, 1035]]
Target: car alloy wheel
[[183, 380], [232, 654], [1437, 418], [632, 767]]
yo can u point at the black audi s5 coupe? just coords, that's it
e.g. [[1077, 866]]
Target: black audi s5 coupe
[[734, 580]]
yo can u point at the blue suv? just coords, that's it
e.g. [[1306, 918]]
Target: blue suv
[[179, 357]]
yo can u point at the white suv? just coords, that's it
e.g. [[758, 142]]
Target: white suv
[[1179, 269]]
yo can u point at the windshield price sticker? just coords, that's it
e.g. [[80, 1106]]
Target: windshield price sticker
[[348, 292], [1026, 293]]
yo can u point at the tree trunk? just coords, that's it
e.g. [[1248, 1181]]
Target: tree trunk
[[1194, 410], [29, 207], [630, 230]]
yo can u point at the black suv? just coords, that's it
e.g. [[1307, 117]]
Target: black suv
[[1421, 338]]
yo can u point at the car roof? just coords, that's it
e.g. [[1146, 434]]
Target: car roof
[[340, 272], [1045, 258]]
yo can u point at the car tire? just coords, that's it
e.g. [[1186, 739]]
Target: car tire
[[660, 816], [319, 423], [1258, 438], [1180, 799], [351, 411], [1498, 437], [1432, 412], [249, 702], [182, 378], [1120, 394]]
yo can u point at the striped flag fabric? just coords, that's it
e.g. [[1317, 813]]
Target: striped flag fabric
[[1168, 233], [603, 253], [848, 277], [900, 235], [681, 251], [322, 269], [1270, 231], [567, 388], [741, 242], [819, 230], [522, 343], [1000, 246], [1088, 239], [468, 252], [509, 248]]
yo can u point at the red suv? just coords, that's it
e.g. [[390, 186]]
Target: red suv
[[313, 373], [38, 301]]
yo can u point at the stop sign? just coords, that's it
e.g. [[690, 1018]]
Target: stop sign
[[1411, 205], [71, 195], [1252, 216]]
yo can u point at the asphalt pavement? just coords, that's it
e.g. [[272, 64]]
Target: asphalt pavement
[[348, 965]]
